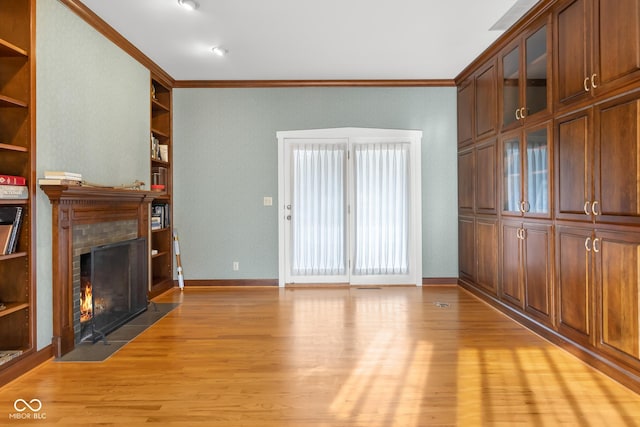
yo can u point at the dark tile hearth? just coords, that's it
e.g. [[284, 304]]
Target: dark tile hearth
[[99, 352]]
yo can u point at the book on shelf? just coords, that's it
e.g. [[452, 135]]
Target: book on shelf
[[55, 181], [20, 192], [69, 176], [12, 180], [10, 222], [64, 174], [7, 355]]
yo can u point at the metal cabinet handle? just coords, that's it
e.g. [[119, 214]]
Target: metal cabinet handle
[[595, 247], [586, 207], [517, 114], [522, 206], [586, 84], [527, 206], [522, 115], [594, 210], [587, 243], [593, 81], [523, 233]]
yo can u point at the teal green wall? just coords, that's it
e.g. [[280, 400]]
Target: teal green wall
[[225, 162], [92, 117]]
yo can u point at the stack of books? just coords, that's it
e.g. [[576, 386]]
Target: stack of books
[[10, 222], [13, 187], [60, 178]]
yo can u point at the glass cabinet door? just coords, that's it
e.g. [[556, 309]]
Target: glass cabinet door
[[511, 87], [512, 180], [536, 72], [536, 200]]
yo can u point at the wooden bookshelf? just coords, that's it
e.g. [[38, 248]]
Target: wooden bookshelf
[[17, 157], [161, 149]]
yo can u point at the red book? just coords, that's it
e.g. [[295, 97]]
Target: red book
[[12, 180]]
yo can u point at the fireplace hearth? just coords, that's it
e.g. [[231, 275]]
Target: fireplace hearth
[[97, 215]]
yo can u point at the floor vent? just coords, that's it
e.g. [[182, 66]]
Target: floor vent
[[441, 304]]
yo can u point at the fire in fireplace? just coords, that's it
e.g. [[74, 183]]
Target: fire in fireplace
[[86, 299], [113, 285]]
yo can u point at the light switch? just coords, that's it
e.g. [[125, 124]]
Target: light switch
[[268, 201]]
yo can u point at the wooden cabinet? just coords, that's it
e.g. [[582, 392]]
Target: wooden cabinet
[[467, 248], [576, 308], [466, 180], [526, 172], [527, 261], [525, 72], [466, 112], [486, 183], [561, 248], [598, 286], [598, 163], [17, 157], [486, 109], [487, 253], [617, 276], [161, 181], [596, 47], [477, 181]]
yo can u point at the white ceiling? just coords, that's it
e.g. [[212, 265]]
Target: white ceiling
[[308, 39]]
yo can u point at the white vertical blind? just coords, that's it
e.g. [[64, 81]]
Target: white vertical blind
[[512, 174], [381, 208], [537, 176], [318, 214]]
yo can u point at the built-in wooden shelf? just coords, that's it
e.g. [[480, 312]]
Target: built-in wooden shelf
[[7, 101], [13, 307], [8, 49]]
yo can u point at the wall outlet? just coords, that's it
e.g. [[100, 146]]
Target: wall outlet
[[236, 266], [267, 201]]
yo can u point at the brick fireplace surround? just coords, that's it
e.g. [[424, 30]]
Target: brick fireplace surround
[[76, 209]]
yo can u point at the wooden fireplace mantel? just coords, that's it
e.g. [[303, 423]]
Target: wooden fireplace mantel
[[73, 205]]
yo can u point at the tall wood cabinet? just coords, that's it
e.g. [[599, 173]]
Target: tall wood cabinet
[[567, 162], [596, 48], [17, 157], [162, 182]]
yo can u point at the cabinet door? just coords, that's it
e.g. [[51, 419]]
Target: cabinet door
[[616, 42], [466, 180], [537, 247], [486, 108], [511, 290], [511, 175], [572, 50], [465, 113], [486, 181], [617, 155], [466, 248], [537, 162], [487, 253], [575, 302], [511, 102], [573, 152], [537, 72], [617, 278]]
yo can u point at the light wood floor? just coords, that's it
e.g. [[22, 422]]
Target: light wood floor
[[328, 357]]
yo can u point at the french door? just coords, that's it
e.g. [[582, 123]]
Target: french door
[[350, 207]]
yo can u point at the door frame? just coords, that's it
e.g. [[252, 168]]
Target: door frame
[[352, 136]]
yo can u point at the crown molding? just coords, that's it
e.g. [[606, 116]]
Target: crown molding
[[310, 83]]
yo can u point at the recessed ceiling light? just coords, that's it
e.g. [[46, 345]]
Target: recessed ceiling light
[[188, 4], [220, 51]]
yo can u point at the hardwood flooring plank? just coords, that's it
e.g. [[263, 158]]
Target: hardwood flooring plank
[[409, 357]]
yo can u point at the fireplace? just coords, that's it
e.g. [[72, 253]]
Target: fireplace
[[113, 284], [86, 217]]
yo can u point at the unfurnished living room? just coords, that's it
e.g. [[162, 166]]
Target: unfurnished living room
[[337, 213]]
